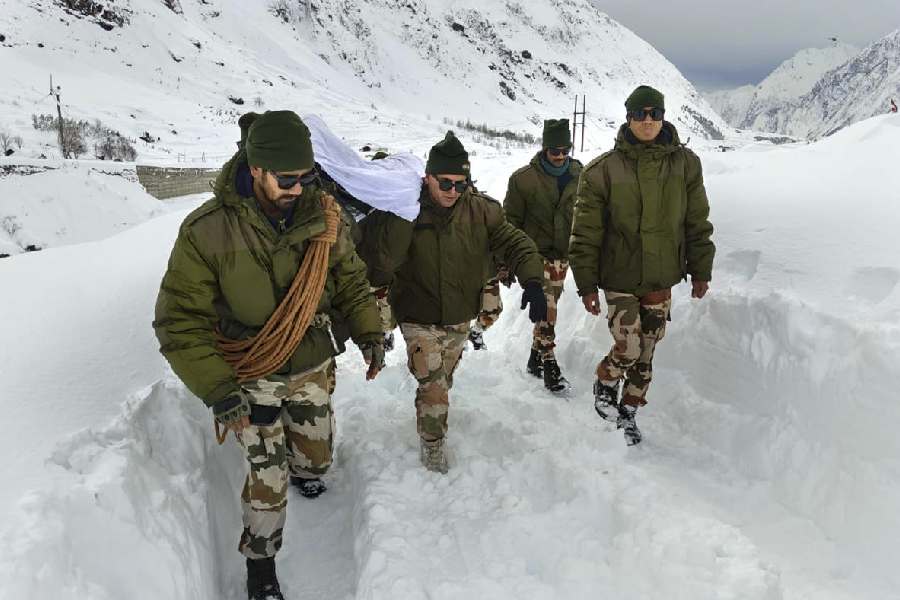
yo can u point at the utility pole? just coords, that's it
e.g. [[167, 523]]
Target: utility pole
[[59, 120], [576, 122]]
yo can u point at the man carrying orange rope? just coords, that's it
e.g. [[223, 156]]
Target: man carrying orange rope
[[242, 317]]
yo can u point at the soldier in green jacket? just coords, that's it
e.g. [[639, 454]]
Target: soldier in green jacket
[[539, 200], [436, 290], [641, 225], [233, 263]]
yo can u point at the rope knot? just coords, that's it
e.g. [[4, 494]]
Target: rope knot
[[332, 219]]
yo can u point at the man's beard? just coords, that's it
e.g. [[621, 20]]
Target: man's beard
[[282, 201]]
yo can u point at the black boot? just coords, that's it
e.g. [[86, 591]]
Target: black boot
[[627, 422], [553, 379], [309, 488], [262, 584], [606, 400], [535, 363]]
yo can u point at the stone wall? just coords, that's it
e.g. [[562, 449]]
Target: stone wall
[[168, 182], [159, 182]]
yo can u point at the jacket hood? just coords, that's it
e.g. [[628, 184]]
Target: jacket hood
[[225, 185]]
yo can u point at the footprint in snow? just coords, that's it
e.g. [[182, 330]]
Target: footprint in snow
[[743, 263], [873, 284]]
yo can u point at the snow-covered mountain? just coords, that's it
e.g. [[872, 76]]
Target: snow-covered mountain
[[818, 91], [761, 107], [797, 75], [732, 104], [181, 71], [860, 88], [504, 57]]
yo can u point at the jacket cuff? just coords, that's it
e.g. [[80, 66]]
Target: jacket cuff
[[220, 392], [368, 338], [701, 276]]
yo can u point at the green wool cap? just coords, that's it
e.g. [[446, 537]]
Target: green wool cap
[[644, 95], [279, 141], [448, 157], [557, 133], [244, 123]]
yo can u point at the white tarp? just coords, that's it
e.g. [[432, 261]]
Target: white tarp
[[392, 184]]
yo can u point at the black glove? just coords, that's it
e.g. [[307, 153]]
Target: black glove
[[373, 354], [533, 294], [231, 408]]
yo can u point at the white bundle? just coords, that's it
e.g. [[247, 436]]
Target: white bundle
[[392, 184]]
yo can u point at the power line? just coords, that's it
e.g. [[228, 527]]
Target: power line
[[36, 102]]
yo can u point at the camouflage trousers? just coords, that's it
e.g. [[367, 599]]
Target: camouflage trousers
[[384, 308], [491, 304], [637, 325], [291, 432], [544, 336], [433, 352]]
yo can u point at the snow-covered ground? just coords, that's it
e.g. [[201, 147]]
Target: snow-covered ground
[[770, 467], [70, 204]]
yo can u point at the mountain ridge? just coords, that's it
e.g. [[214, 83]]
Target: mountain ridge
[[179, 70]]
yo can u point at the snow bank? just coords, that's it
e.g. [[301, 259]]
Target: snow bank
[[808, 412], [77, 339], [814, 222], [136, 512]]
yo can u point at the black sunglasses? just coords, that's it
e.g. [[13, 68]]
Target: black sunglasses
[[559, 151], [446, 185], [639, 115], [286, 182]]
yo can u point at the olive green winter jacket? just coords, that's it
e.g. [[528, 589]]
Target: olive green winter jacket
[[385, 237], [230, 269], [450, 256], [534, 205], [641, 218], [380, 238]]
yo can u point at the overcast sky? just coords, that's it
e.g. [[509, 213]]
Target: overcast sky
[[726, 43]]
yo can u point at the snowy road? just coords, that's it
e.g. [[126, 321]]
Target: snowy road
[[543, 500]]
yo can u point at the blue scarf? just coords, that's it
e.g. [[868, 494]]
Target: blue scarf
[[563, 177], [555, 171]]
